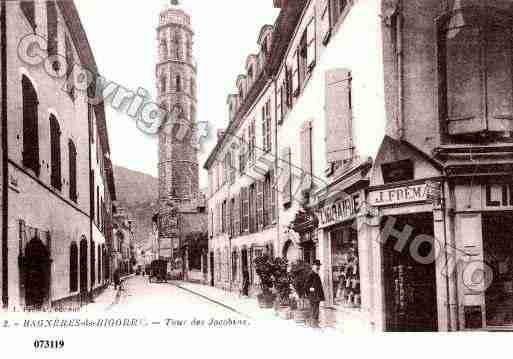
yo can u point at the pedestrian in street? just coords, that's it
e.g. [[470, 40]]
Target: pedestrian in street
[[315, 293], [245, 283], [117, 279]]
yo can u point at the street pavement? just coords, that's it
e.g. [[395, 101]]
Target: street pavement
[[183, 302]]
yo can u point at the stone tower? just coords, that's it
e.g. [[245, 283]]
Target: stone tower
[[176, 85]]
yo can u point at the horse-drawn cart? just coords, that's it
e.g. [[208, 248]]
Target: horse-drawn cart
[[158, 271]]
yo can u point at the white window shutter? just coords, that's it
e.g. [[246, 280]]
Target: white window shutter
[[311, 43], [286, 176], [339, 138], [278, 105], [295, 74], [306, 155]]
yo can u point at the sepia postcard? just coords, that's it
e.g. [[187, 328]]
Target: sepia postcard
[[256, 178]]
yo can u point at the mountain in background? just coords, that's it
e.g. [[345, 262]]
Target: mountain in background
[[137, 193]]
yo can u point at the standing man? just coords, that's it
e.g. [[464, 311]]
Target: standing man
[[315, 292]]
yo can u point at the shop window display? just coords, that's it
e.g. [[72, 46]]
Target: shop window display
[[345, 268]]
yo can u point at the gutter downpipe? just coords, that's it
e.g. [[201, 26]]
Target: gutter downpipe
[[400, 69], [446, 249], [5, 149]]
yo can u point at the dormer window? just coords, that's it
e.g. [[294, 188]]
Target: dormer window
[[250, 73], [475, 62]]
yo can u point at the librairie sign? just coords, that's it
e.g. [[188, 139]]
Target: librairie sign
[[338, 211], [399, 195]]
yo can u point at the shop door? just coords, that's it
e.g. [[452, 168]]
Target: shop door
[[498, 254], [410, 286], [37, 275], [212, 271]]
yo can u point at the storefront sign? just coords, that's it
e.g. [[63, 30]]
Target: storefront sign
[[399, 195], [339, 211]]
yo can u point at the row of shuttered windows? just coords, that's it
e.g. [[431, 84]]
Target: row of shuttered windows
[[250, 211]]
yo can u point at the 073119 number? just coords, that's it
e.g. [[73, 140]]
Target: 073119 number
[[48, 344]]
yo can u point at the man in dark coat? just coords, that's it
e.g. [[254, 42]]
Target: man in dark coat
[[245, 283], [315, 292], [117, 279]]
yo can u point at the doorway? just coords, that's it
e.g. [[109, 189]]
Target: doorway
[[37, 275], [498, 255], [83, 265], [212, 266], [410, 285]]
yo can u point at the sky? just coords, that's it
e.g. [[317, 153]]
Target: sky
[[122, 35]]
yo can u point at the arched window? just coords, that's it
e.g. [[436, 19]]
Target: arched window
[[30, 126], [72, 171], [83, 265], [55, 143], [73, 268], [105, 263], [93, 261], [99, 264], [178, 83]]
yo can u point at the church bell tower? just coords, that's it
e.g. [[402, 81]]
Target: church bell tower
[[176, 86]]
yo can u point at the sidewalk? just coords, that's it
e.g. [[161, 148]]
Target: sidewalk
[[105, 300], [329, 319], [246, 306]]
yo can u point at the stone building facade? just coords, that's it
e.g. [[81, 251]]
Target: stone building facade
[[181, 212], [54, 229], [391, 156]]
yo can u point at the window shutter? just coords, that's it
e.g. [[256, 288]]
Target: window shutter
[[236, 216], [247, 215], [311, 43], [228, 217], [306, 155], [51, 17], [339, 139], [279, 102], [464, 82], [216, 227], [273, 196], [295, 74], [245, 211], [325, 21], [251, 206], [286, 177], [264, 130], [260, 205]]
